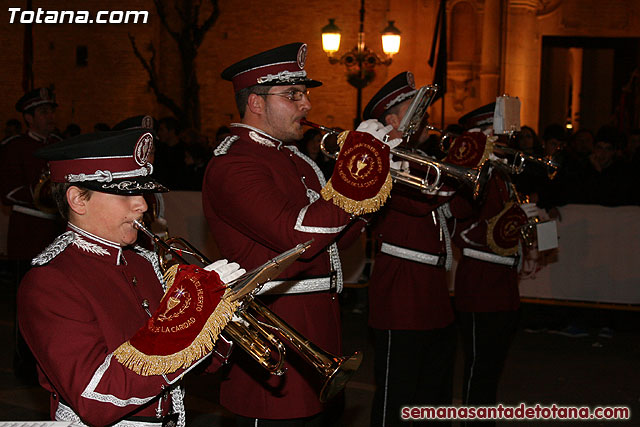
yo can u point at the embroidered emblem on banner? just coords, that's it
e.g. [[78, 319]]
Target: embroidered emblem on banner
[[470, 150], [361, 181], [185, 326], [503, 230]]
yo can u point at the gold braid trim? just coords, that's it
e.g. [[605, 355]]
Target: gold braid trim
[[352, 206], [488, 149], [202, 345], [355, 207]]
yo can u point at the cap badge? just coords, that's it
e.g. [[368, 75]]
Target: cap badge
[[410, 80], [302, 55], [44, 93], [143, 148], [147, 122]]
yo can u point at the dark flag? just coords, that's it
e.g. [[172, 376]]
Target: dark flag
[[439, 51], [27, 55]]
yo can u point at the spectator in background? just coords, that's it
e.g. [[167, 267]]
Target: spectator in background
[[580, 145], [528, 142], [310, 145], [554, 138], [605, 179], [600, 178], [169, 162]]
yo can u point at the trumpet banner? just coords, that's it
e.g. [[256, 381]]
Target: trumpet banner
[[503, 230], [470, 150], [361, 181], [184, 328]]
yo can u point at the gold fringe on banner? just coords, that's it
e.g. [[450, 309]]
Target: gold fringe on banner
[[355, 207], [488, 149], [146, 365], [358, 207]]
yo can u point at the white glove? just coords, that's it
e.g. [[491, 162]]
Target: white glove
[[530, 209], [228, 271], [378, 131], [400, 165]]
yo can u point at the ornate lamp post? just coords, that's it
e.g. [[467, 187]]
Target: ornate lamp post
[[360, 61]]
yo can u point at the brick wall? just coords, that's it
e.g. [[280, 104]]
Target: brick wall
[[113, 85]]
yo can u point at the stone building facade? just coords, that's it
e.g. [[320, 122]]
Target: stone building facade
[[494, 47]]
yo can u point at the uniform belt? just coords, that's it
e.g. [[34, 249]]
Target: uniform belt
[[413, 255], [302, 286], [510, 261], [65, 413], [33, 212]]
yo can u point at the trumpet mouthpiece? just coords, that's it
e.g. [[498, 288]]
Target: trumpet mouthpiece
[[140, 226]]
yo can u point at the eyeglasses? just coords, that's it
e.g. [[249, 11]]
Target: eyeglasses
[[293, 94]]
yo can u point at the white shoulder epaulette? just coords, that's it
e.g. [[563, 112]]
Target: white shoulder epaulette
[[225, 145], [54, 249]]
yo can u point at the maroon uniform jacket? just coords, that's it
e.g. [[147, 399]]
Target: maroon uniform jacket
[[83, 299], [261, 198], [30, 230], [403, 292], [482, 286]]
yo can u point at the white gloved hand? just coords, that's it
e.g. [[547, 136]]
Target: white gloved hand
[[530, 209], [228, 271], [379, 131], [400, 165]]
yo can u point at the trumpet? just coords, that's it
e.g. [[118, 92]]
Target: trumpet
[[474, 178], [520, 159], [42, 198], [264, 340], [528, 231]]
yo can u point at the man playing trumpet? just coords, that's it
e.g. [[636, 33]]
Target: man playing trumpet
[[409, 307], [261, 195]]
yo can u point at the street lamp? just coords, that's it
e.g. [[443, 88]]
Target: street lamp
[[360, 61]]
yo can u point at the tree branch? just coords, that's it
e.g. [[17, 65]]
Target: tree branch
[[199, 32], [163, 19], [150, 67]]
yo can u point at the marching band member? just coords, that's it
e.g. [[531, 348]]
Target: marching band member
[[486, 281], [409, 305], [110, 348], [30, 228], [261, 195], [33, 222]]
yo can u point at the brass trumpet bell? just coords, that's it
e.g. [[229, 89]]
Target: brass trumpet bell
[[474, 178]]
